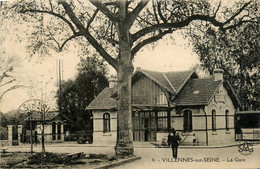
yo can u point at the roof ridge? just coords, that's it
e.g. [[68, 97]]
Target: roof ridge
[[169, 82], [155, 80], [177, 71], [186, 80]]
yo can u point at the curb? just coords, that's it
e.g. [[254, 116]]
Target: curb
[[207, 147], [118, 163]]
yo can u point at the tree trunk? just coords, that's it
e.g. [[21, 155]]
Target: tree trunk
[[124, 145]]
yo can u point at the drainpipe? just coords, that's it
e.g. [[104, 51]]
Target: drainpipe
[[207, 137]]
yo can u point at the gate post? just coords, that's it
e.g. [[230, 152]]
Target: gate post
[[10, 134], [20, 129]]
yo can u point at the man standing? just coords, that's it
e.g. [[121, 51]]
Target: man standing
[[173, 141]]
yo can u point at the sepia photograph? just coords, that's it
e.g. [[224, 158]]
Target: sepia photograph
[[129, 84]]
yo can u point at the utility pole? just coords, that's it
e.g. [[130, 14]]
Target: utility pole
[[59, 86], [31, 138], [43, 112]]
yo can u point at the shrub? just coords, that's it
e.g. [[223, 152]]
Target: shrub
[[81, 140], [49, 158], [3, 133]]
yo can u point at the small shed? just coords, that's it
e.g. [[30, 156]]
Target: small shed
[[54, 126]]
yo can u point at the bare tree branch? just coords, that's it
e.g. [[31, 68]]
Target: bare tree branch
[[51, 5], [181, 24], [132, 16], [52, 38], [5, 75], [112, 41], [149, 23], [11, 88], [102, 7], [237, 13], [155, 14], [88, 36], [7, 82], [70, 38], [149, 41], [239, 24], [51, 13], [215, 13], [160, 13], [92, 18], [100, 49], [72, 16]]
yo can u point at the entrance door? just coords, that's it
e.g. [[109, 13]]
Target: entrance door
[[144, 126]]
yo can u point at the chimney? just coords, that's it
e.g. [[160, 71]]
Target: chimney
[[112, 81], [218, 74]]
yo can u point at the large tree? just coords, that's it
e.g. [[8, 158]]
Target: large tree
[[77, 94], [118, 30], [235, 51]]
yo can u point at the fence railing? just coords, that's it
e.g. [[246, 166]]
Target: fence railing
[[249, 135]]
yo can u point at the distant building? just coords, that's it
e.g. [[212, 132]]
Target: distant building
[[54, 123], [165, 100]]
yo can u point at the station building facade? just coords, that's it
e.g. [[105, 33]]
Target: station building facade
[[164, 100]]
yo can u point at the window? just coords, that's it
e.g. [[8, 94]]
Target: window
[[227, 119], [213, 120], [106, 122], [53, 131], [59, 131], [162, 121], [187, 117]]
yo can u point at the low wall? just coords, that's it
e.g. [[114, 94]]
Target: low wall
[[108, 139], [4, 143]]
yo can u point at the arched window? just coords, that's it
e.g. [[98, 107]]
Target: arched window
[[59, 130], [227, 119], [106, 122], [53, 131], [213, 120], [187, 117]]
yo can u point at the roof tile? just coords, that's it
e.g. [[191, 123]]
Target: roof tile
[[197, 92], [104, 100]]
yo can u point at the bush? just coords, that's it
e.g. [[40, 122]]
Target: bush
[[3, 133], [82, 140], [49, 158]]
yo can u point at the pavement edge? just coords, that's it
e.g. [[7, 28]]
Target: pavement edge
[[118, 163]]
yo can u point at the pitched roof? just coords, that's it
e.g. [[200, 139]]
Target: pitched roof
[[51, 115], [188, 88], [197, 92], [171, 81], [104, 100]]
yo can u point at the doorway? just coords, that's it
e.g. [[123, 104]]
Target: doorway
[[144, 126]]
